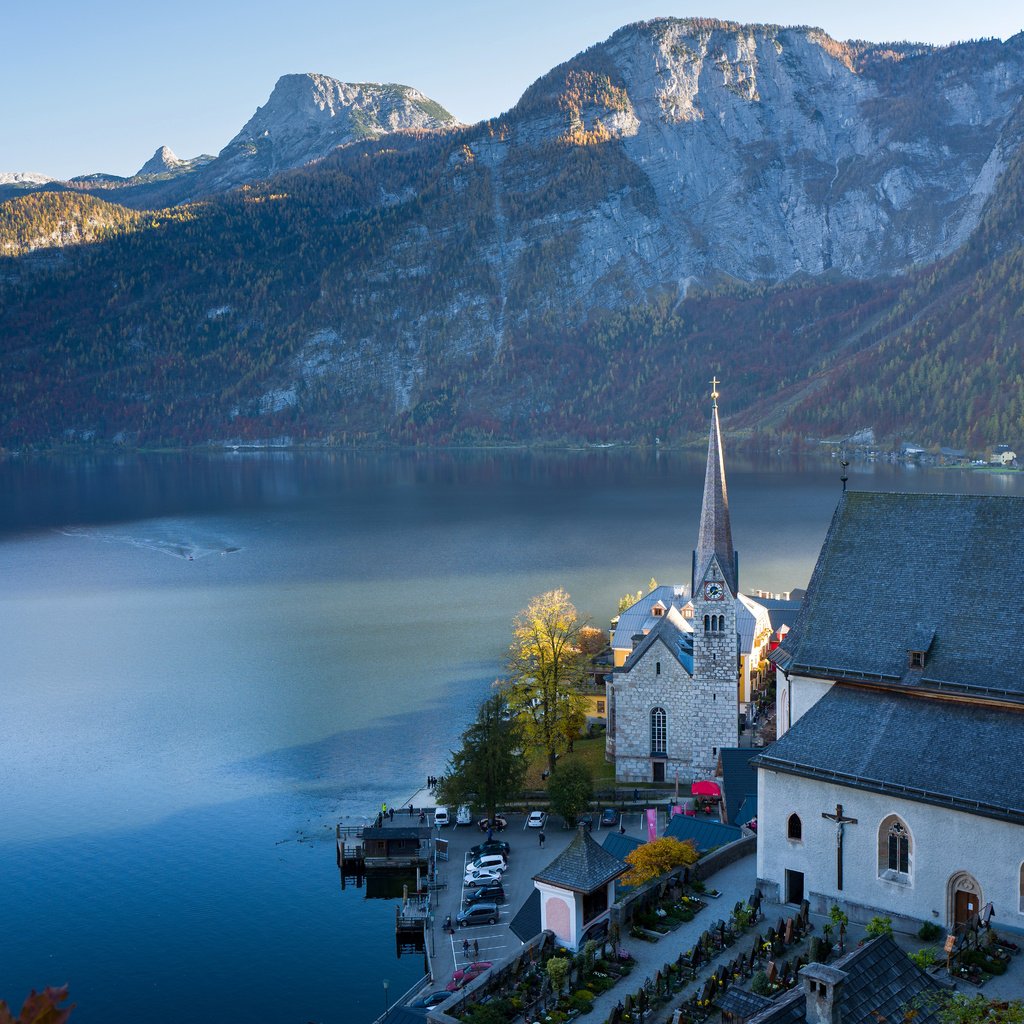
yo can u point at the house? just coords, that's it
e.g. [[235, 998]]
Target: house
[[897, 784]]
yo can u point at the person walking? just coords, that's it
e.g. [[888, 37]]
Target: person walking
[[540, 839], [391, 814], [465, 948], [476, 949]]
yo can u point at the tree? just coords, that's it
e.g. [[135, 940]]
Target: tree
[[570, 790], [39, 1008], [489, 768], [545, 666], [592, 641], [655, 858]]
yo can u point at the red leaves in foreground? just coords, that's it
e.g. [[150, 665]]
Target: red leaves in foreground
[[39, 1008]]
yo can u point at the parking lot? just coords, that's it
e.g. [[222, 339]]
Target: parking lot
[[525, 859]]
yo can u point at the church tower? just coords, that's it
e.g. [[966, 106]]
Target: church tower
[[715, 588]]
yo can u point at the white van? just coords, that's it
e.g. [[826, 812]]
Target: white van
[[489, 862], [464, 815], [441, 817]]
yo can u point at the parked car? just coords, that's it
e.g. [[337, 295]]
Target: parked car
[[496, 824], [460, 979], [488, 861], [491, 846], [441, 817], [481, 876], [586, 820], [493, 892], [464, 815], [609, 817], [479, 913], [431, 1000], [537, 819]]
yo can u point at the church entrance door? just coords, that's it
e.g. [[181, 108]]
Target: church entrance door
[[659, 771], [964, 898], [794, 887]]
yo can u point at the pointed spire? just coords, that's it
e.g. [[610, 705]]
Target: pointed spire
[[715, 537]]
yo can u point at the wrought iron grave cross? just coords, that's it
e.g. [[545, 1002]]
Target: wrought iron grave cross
[[840, 821]]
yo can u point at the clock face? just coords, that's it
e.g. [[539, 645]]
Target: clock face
[[713, 591]]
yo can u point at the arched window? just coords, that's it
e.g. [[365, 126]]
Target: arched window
[[795, 827], [895, 850], [707, 623], [657, 668], [658, 731], [721, 623]]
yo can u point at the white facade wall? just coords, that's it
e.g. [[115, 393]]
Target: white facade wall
[[944, 843], [700, 719], [796, 695]]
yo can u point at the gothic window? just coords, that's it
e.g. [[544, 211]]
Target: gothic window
[[658, 731], [721, 623], [794, 827], [657, 668], [895, 846], [707, 623]]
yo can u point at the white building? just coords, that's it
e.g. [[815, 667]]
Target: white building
[[897, 786]]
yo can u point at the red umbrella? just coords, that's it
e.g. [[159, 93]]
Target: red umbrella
[[706, 788]]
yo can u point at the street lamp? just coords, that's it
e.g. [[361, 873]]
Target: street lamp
[[386, 1006]]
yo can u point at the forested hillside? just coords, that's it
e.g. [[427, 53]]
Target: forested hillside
[[573, 270]]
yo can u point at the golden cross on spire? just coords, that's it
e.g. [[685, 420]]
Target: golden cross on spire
[[714, 390]]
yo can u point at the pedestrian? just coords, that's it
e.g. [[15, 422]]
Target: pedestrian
[[540, 839], [476, 949], [428, 782], [465, 948], [410, 810], [448, 924], [391, 814], [490, 834], [636, 794]]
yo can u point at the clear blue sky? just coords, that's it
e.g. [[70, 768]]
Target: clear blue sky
[[98, 85]]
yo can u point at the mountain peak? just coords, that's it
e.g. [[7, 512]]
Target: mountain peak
[[162, 161]]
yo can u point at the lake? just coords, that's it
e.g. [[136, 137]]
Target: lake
[[206, 661]]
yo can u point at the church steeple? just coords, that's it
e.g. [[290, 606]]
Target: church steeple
[[715, 536]]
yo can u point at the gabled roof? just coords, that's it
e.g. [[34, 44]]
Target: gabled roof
[[739, 778], [715, 534], [526, 924], [667, 632], [639, 618], [751, 618], [896, 567], [954, 754], [582, 866], [747, 812], [881, 983], [705, 835]]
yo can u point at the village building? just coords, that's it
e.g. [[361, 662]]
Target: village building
[[897, 784], [687, 658]]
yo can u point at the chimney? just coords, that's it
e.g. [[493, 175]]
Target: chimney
[[823, 992], [638, 639]]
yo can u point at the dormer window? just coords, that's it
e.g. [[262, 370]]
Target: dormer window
[[916, 659], [658, 609]]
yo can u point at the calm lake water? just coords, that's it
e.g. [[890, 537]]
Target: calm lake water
[[207, 661]]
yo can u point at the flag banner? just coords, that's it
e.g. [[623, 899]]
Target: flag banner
[[652, 824]]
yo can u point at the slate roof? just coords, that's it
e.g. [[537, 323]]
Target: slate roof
[[881, 982], [619, 845], [582, 866], [741, 1003], [780, 613], [739, 778], [705, 835], [747, 811], [639, 618], [526, 923], [715, 534], [894, 568], [667, 631], [956, 754]]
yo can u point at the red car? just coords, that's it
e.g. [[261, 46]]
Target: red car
[[460, 979]]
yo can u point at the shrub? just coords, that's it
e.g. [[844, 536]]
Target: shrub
[[819, 950], [924, 958], [878, 926], [929, 932], [760, 985]]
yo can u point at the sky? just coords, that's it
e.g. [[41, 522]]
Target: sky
[[100, 85]]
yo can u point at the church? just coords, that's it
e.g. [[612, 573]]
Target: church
[[896, 786], [685, 657]]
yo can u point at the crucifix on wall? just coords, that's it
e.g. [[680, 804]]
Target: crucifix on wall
[[840, 819]]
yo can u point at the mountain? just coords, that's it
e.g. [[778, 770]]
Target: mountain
[[306, 116], [820, 223]]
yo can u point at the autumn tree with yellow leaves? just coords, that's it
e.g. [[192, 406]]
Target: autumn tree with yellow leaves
[[655, 858]]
